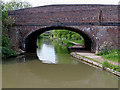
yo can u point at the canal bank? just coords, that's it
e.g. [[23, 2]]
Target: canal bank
[[89, 58], [60, 70], [93, 62]]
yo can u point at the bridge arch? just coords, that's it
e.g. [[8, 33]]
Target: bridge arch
[[31, 38], [96, 23]]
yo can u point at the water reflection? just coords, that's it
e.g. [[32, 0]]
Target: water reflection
[[47, 54], [27, 71], [51, 52], [34, 74]]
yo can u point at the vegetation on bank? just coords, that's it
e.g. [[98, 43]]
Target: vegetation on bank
[[7, 22], [68, 36], [112, 55], [6, 51], [66, 42], [111, 66], [88, 58], [104, 64], [108, 53], [65, 36]]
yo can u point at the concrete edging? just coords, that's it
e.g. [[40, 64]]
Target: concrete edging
[[95, 64], [92, 62]]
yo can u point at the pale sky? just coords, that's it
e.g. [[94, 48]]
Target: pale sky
[[51, 2]]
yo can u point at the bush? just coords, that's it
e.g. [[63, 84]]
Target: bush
[[104, 52], [115, 67], [5, 41], [112, 55], [7, 22], [6, 52], [67, 42], [108, 65]]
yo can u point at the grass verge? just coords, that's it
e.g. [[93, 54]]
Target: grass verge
[[104, 64], [112, 55], [108, 65]]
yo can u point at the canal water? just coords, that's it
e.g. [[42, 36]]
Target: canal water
[[52, 67]]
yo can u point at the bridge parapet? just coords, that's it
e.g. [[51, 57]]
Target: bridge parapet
[[67, 14]]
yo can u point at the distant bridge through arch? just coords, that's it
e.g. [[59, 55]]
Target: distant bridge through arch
[[96, 23]]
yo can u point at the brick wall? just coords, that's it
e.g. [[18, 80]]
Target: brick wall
[[98, 22]]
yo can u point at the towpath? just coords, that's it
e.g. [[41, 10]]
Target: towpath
[[77, 48]]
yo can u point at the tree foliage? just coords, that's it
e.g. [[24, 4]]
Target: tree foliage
[[13, 5], [69, 35]]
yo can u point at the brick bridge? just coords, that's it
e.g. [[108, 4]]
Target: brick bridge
[[96, 23]]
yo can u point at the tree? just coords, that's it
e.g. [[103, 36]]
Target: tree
[[13, 5], [69, 35]]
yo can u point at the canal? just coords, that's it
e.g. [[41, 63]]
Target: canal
[[52, 67]]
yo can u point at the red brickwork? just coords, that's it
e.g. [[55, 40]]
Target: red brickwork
[[96, 23]]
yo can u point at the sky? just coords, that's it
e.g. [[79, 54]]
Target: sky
[[51, 2]]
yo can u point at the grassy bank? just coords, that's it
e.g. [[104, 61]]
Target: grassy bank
[[112, 55], [67, 42], [108, 65], [104, 64]]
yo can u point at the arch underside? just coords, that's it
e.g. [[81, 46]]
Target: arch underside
[[30, 40]]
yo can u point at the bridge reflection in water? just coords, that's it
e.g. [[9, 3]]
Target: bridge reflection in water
[[62, 71]]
